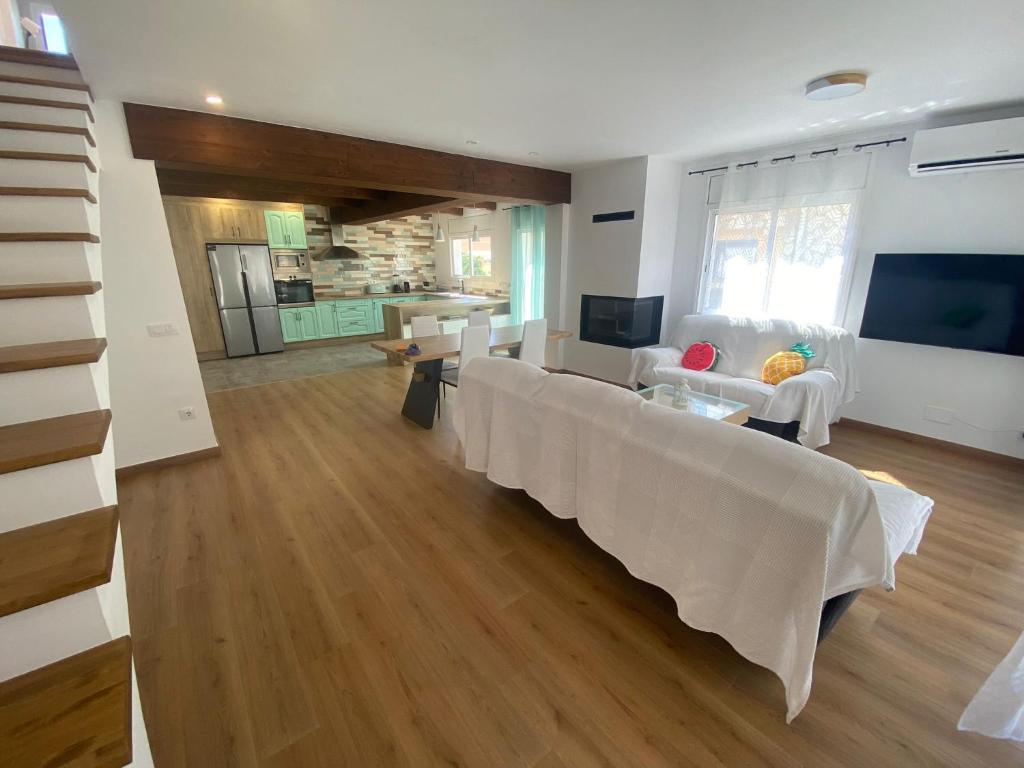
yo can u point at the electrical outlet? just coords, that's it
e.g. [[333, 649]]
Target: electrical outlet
[[187, 414], [162, 329], [938, 415]]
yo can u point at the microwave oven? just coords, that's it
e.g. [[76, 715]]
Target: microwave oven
[[290, 262]]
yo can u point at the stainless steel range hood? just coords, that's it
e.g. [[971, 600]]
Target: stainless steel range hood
[[337, 252]]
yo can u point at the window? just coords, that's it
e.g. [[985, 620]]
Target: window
[[777, 260], [471, 259], [53, 33]]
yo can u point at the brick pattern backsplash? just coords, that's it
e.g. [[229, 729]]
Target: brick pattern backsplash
[[405, 246]]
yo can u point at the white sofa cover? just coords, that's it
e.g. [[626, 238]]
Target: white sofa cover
[[748, 533], [813, 398]]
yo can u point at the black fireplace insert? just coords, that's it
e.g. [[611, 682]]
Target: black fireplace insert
[[619, 321]]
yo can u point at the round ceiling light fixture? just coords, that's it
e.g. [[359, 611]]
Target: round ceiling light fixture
[[837, 86], [214, 100], [472, 142]]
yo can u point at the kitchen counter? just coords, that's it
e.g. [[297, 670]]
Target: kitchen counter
[[451, 305], [335, 295]]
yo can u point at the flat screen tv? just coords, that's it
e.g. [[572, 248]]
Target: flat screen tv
[[959, 300]]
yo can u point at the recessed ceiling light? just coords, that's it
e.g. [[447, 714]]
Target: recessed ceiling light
[[214, 100], [837, 86], [472, 141], [534, 154]]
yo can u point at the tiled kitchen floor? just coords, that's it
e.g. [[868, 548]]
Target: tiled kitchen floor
[[290, 364]]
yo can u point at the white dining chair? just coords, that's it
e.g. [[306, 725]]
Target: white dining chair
[[476, 342], [535, 338], [425, 325], [480, 317]]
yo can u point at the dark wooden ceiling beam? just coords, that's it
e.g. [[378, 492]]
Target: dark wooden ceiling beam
[[175, 138], [200, 184], [394, 206]]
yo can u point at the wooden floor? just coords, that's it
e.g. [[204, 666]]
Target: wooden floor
[[335, 590]]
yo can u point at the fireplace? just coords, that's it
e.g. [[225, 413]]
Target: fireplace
[[621, 322]]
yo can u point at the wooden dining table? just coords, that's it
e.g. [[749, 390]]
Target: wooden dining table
[[422, 397]]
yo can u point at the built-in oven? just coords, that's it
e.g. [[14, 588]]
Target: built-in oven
[[294, 291], [289, 262]]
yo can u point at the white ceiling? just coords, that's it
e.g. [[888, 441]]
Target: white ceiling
[[577, 81]]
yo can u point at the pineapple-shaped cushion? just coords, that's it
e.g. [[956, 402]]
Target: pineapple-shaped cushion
[[782, 365]]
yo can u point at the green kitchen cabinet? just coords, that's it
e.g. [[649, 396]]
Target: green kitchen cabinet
[[309, 327], [290, 328], [275, 229], [295, 229], [354, 317], [285, 229], [327, 317], [377, 315]]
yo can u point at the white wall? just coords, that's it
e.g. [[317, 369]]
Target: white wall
[[979, 213], [10, 28], [604, 259], [150, 378], [657, 244]]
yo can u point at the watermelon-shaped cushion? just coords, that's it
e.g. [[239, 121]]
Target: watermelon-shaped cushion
[[782, 365], [701, 356]]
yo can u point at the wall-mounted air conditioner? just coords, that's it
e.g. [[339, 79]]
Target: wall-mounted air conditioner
[[973, 147]]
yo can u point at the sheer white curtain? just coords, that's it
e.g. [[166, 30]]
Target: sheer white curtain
[[781, 239]]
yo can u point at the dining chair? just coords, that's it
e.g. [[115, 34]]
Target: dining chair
[[425, 325], [480, 317], [535, 337], [475, 342]]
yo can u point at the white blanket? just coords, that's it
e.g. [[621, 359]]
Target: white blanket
[[750, 534], [997, 710]]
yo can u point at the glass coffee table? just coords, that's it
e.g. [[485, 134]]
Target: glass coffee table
[[698, 403]]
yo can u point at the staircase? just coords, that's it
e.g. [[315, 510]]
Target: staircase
[[66, 678]]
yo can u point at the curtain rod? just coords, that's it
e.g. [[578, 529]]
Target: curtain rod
[[817, 153]]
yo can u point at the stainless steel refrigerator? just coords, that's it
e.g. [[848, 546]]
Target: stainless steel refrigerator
[[244, 284]]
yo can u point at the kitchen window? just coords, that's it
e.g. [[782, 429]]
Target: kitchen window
[[779, 260], [471, 258]]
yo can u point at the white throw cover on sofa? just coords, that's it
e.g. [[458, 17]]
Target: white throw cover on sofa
[[748, 533], [814, 397]]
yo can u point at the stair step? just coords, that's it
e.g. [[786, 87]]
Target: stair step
[[43, 82], [51, 560], [55, 157], [45, 192], [30, 101], [76, 711], [48, 290], [37, 58], [12, 125], [48, 237], [50, 354], [48, 441]]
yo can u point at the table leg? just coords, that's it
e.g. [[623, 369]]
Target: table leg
[[421, 399]]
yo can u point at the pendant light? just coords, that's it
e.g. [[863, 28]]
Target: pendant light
[[476, 235], [438, 233]]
